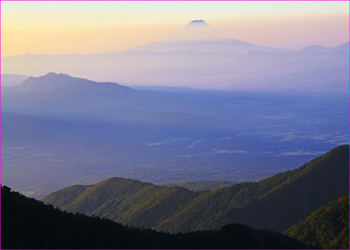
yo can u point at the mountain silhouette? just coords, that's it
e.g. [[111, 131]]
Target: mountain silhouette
[[63, 82], [201, 37], [200, 56], [29, 224]]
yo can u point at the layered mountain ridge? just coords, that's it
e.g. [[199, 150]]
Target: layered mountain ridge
[[27, 223], [53, 81], [199, 56], [275, 203], [63, 127]]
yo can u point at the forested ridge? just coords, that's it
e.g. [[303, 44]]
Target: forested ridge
[[275, 203], [328, 227], [28, 223]]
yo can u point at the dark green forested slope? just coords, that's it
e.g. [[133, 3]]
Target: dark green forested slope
[[328, 227], [201, 185], [275, 203], [126, 201], [27, 223]]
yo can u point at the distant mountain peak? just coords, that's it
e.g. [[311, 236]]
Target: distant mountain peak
[[197, 30], [197, 22], [200, 36], [63, 82], [53, 74]]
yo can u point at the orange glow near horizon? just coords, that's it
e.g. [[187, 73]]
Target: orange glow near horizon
[[291, 33], [100, 27]]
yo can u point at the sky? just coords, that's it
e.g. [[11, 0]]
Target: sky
[[43, 27]]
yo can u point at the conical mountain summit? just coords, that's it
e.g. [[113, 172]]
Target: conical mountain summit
[[194, 22], [199, 36], [197, 30]]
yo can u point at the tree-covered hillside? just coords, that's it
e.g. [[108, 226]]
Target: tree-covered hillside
[[201, 185], [275, 203], [328, 227], [28, 223]]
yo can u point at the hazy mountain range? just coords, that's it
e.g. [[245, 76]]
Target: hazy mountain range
[[59, 130], [9, 80], [198, 56]]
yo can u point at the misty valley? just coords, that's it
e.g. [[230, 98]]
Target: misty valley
[[58, 130]]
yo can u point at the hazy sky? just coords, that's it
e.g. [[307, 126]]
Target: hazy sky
[[95, 27]]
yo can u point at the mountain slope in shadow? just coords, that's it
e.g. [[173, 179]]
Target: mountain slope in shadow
[[328, 227], [275, 203], [27, 223]]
